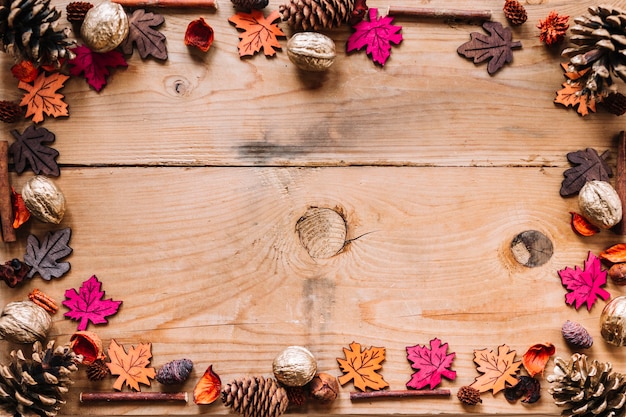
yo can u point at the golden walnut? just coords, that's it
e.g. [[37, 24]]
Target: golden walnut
[[105, 27], [613, 321], [600, 204], [44, 200], [294, 366], [311, 51]]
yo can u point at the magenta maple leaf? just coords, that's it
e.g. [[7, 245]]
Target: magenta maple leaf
[[94, 65], [430, 364], [88, 304], [378, 34], [585, 284]]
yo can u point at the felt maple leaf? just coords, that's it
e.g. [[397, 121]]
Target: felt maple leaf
[[361, 365], [259, 32], [142, 34], [584, 284], [42, 98], [132, 367], [497, 47], [498, 369], [29, 149], [88, 304], [587, 166], [377, 35], [571, 95], [43, 258], [431, 364], [93, 65]]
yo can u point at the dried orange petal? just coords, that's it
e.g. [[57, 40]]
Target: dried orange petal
[[615, 254], [25, 71], [208, 388], [536, 357], [20, 212], [582, 226]]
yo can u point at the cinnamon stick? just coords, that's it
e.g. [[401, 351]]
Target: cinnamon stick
[[6, 207], [620, 179], [368, 395], [460, 14], [132, 396], [183, 4]]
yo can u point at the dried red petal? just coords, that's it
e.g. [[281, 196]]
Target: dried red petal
[[25, 71], [21, 213], [199, 34], [582, 226], [615, 254], [208, 388], [536, 357]]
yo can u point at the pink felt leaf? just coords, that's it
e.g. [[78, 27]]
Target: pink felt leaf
[[584, 284], [88, 304], [430, 363], [94, 65], [377, 35]]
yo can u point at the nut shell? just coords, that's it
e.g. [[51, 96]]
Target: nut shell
[[105, 27], [294, 366], [311, 51], [324, 387], [600, 204], [44, 199], [613, 321], [24, 322]]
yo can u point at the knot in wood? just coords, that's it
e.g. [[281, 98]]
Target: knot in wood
[[322, 232]]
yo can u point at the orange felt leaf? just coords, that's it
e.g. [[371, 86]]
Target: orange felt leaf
[[361, 365], [536, 358], [498, 369], [132, 366], [615, 254], [582, 226], [570, 96], [41, 97], [208, 387], [573, 75], [259, 32], [20, 212]]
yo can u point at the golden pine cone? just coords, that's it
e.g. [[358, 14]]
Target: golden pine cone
[[515, 12]]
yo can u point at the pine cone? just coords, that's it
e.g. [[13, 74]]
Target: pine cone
[[76, 11], [10, 112], [36, 386], [576, 335], [587, 389], [250, 4], [13, 272], [514, 12], [615, 103], [28, 31], [97, 370], [316, 14], [255, 397], [468, 395], [553, 29]]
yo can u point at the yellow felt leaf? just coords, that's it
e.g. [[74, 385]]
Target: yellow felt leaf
[[132, 367], [498, 369], [41, 97], [361, 366]]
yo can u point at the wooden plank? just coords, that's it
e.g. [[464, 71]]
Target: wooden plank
[[209, 267]]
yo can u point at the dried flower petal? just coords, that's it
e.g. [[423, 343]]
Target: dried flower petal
[[615, 254], [527, 387], [582, 226], [25, 71], [536, 357], [208, 387], [553, 29], [199, 34], [20, 212]]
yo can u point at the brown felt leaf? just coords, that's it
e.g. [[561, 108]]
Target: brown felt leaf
[[29, 150], [42, 98], [587, 166], [142, 34], [132, 367], [361, 365], [497, 47]]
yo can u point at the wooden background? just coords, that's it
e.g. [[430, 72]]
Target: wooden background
[[185, 179]]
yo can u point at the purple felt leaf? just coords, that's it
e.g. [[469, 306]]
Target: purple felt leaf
[[43, 257], [431, 364], [377, 35], [88, 304]]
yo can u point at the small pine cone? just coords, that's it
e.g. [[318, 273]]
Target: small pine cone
[[296, 395], [77, 10], [553, 29], [250, 4], [576, 335], [316, 14], [174, 372], [97, 371], [255, 397], [10, 111], [514, 12], [468, 395], [615, 103]]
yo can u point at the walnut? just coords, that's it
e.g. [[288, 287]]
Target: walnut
[[44, 200], [24, 322], [613, 321], [600, 204], [105, 27], [294, 366], [311, 51]]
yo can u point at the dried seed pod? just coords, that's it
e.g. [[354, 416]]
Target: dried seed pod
[[89, 345], [174, 372], [199, 34], [469, 395], [294, 366], [311, 51], [617, 273], [576, 335], [105, 27], [24, 322], [324, 387], [613, 321], [600, 204], [44, 199]]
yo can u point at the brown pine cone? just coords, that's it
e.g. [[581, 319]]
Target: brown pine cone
[[10, 112], [615, 103], [576, 335], [97, 371], [250, 4], [76, 11], [514, 12], [468, 395]]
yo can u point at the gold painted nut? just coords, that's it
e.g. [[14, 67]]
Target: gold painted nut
[[295, 366], [311, 51], [44, 199], [600, 204], [105, 27]]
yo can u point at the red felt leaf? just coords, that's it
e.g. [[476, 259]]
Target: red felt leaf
[[377, 35], [94, 65], [88, 304], [431, 364], [585, 284]]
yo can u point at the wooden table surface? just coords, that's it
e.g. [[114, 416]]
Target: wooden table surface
[[185, 179]]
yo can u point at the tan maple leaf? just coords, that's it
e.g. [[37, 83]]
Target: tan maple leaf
[[361, 365], [498, 369], [41, 96], [571, 95], [132, 367], [259, 32]]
